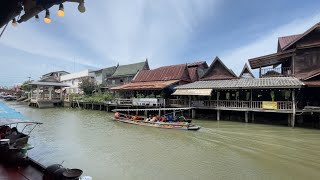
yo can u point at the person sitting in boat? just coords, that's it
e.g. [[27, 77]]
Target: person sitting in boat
[[169, 118], [116, 115], [154, 119], [162, 119]]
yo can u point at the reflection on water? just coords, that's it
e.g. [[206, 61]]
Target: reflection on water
[[105, 149]]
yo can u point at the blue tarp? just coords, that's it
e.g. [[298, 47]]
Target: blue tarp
[[9, 113]]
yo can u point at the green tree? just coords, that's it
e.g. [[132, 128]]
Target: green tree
[[87, 85], [26, 87]]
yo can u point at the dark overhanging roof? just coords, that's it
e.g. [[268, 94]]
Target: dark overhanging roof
[[270, 59], [246, 83]]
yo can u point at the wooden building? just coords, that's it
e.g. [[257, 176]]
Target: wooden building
[[125, 73], [221, 90], [154, 83], [47, 93], [297, 56]]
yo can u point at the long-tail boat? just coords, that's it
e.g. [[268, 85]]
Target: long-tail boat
[[166, 121]]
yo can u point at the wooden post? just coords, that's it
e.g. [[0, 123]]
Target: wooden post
[[50, 92], [218, 115], [174, 113], [289, 119], [218, 97], [292, 65], [37, 91], [193, 114], [252, 117], [250, 98], [293, 109], [260, 72], [246, 116]]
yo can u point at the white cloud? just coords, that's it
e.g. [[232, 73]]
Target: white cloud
[[267, 44]]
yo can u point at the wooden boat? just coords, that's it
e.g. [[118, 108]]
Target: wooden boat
[[13, 143], [181, 123]]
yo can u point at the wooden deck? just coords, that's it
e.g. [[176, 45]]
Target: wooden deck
[[256, 106], [28, 172]]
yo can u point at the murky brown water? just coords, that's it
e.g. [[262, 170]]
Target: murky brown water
[[105, 149]]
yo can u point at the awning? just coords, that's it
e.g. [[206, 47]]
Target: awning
[[198, 92]]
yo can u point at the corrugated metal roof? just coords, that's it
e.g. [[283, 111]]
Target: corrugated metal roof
[[199, 63], [273, 82], [285, 40], [165, 73], [129, 69], [151, 85]]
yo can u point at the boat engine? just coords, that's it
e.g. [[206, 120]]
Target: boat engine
[[58, 172]]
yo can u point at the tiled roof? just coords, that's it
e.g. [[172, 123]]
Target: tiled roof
[[151, 85], [274, 82], [129, 69], [308, 74], [110, 70], [284, 41], [165, 73]]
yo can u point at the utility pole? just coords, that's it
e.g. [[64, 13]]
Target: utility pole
[[29, 77]]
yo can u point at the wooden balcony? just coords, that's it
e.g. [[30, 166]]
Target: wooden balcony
[[276, 72], [233, 105]]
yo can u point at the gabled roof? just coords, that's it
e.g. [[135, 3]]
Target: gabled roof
[[193, 73], [245, 83], [110, 70], [300, 36], [246, 73], [130, 69], [285, 40], [55, 72], [218, 70], [164, 73]]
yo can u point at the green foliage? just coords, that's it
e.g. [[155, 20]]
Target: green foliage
[[26, 87], [97, 98], [87, 85]]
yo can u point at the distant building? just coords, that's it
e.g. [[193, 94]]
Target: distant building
[[156, 82], [125, 73], [56, 75], [246, 73], [101, 75], [74, 79]]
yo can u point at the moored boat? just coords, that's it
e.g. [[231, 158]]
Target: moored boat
[[166, 121]]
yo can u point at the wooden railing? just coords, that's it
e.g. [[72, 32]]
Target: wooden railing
[[276, 72], [178, 102], [231, 104]]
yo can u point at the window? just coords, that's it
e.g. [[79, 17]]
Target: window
[[113, 81]]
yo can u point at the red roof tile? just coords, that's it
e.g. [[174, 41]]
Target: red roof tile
[[284, 41], [165, 73], [151, 85]]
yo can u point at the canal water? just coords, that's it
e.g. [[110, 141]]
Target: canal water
[[105, 149]]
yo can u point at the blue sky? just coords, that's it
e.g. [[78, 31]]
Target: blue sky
[[164, 31]]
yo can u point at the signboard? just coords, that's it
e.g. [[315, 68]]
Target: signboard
[[269, 105]]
